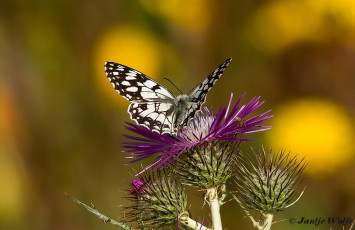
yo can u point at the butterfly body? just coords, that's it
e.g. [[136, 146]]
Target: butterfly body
[[181, 103], [153, 105]]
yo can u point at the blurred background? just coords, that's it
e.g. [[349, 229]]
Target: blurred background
[[61, 123]]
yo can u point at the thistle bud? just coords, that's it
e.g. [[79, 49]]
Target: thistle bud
[[208, 165], [137, 187], [266, 182], [158, 200]]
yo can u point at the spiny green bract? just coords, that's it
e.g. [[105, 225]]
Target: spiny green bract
[[208, 165], [266, 182], [159, 202]]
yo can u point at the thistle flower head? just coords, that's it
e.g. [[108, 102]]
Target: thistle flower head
[[197, 128], [226, 125], [158, 200], [266, 182]]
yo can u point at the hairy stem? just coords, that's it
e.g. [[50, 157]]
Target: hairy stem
[[255, 223], [212, 198], [193, 224], [104, 218], [268, 221]]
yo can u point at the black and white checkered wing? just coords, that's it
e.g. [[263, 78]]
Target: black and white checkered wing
[[151, 103], [198, 95]]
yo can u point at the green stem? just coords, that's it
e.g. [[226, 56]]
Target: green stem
[[255, 223], [104, 218], [267, 217]]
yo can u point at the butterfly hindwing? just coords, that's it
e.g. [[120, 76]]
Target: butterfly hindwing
[[198, 95], [154, 116]]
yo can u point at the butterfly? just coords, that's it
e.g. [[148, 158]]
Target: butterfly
[[152, 104]]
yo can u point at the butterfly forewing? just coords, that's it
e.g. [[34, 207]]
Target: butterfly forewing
[[198, 95], [150, 101], [134, 85]]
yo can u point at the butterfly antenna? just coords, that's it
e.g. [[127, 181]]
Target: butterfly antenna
[[194, 87], [173, 84]]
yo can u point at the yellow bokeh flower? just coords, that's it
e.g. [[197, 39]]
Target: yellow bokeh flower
[[193, 15], [318, 129], [342, 12], [283, 23], [129, 46]]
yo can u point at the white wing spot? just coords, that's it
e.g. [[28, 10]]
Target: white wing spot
[[150, 84], [148, 95], [132, 89], [120, 68], [163, 92], [130, 77], [125, 83], [131, 73]]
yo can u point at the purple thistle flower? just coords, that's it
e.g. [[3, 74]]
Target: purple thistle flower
[[137, 186], [226, 125]]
